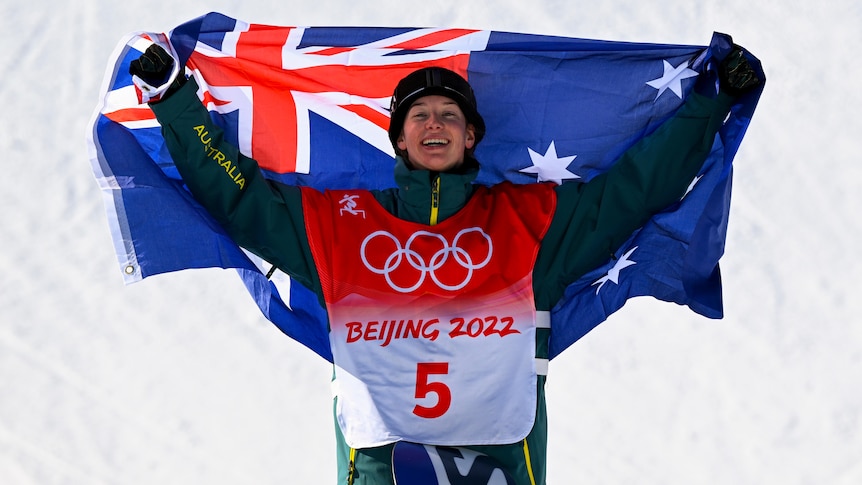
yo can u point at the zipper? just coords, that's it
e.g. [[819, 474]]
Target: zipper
[[435, 200], [351, 468]]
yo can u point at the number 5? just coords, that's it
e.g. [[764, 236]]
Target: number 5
[[423, 388]]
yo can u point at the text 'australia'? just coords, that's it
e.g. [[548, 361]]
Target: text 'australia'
[[219, 157]]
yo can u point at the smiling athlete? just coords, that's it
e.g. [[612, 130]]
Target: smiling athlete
[[438, 291]]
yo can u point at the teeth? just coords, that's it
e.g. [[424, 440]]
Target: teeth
[[435, 141]]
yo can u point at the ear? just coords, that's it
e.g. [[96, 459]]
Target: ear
[[470, 139], [402, 145]]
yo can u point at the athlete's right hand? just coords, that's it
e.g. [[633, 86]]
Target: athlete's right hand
[[155, 75], [154, 66]]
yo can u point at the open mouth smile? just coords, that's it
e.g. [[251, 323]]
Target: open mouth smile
[[435, 142]]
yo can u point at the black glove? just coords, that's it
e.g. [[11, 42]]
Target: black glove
[[736, 75], [154, 66]]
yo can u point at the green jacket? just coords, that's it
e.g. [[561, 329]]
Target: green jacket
[[590, 222]]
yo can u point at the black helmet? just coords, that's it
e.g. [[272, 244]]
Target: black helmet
[[426, 82]]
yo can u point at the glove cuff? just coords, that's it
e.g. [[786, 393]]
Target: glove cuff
[[147, 93]]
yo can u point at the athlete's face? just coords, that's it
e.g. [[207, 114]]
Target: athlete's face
[[436, 134]]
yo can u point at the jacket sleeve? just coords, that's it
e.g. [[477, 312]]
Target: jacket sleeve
[[263, 217], [593, 219]]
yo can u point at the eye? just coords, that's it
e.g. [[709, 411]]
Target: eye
[[453, 114]]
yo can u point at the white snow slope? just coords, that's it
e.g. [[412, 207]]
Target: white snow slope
[[179, 380]]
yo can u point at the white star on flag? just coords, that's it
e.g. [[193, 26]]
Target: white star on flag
[[550, 167], [672, 79], [691, 186], [614, 273]]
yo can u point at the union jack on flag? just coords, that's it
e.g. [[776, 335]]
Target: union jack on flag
[[311, 106]]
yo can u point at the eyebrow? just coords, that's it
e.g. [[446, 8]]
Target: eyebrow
[[424, 103]]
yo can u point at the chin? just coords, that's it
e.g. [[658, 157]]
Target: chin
[[437, 166]]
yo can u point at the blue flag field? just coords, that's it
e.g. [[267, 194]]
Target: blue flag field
[[310, 104]]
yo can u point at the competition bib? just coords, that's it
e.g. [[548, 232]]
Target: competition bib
[[432, 328]]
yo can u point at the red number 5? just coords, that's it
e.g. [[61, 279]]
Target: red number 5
[[423, 388]]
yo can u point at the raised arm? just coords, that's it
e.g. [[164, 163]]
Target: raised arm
[[593, 219], [263, 217]]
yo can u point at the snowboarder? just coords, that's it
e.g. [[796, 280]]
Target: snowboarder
[[438, 291]]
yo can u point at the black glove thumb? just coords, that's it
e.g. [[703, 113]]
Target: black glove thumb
[[154, 66]]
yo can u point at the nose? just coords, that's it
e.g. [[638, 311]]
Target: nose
[[433, 121]]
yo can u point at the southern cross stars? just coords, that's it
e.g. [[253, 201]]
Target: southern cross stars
[[672, 79], [550, 167]]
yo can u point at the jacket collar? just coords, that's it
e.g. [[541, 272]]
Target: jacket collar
[[415, 188]]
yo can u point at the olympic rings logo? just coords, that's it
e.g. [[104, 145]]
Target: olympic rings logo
[[427, 268]]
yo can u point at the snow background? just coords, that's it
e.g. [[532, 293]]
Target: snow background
[[179, 380]]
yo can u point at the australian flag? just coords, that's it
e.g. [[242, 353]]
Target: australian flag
[[311, 106]]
